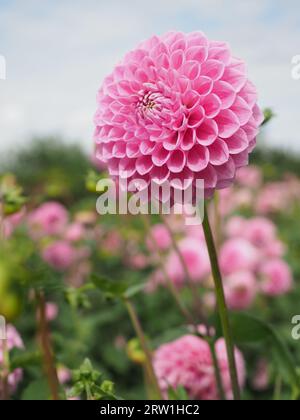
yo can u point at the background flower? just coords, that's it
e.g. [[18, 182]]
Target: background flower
[[14, 341], [48, 219], [187, 362]]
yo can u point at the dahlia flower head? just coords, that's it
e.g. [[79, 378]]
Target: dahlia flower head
[[14, 341], [178, 108], [60, 255], [50, 218], [196, 259], [159, 238], [187, 362], [195, 256]]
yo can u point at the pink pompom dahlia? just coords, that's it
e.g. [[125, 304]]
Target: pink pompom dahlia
[[277, 278], [49, 219], [178, 108], [240, 290], [196, 258], [159, 238], [237, 254], [60, 255], [187, 362]]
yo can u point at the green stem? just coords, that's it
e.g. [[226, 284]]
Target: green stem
[[216, 369], [222, 307], [46, 347], [2, 219], [141, 336], [174, 292], [190, 282], [278, 388], [5, 372], [217, 219], [89, 395]]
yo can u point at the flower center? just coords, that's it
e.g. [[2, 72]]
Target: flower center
[[149, 103]]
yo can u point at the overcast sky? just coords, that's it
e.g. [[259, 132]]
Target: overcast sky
[[57, 53]]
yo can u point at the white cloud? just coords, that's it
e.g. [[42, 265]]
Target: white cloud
[[58, 52]]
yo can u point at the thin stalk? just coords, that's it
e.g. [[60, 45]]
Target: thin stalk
[[89, 395], [2, 227], [174, 292], [278, 388], [141, 336], [46, 347], [178, 252], [147, 382], [217, 219], [185, 312], [190, 282], [221, 303], [217, 370], [4, 372]]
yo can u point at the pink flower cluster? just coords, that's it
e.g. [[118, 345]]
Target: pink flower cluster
[[187, 362], [177, 108], [250, 256], [276, 197], [13, 341], [251, 262], [49, 219], [193, 252], [60, 240], [252, 193]]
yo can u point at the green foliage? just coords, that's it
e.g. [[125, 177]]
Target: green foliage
[[178, 394], [248, 329], [88, 382], [11, 195], [269, 115], [117, 289], [50, 169], [92, 322], [36, 391]]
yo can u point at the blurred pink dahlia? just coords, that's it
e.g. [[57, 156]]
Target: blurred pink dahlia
[[60, 255], [240, 290], [178, 108], [187, 362], [50, 218], [159, 238], [195, 256], [277, 278]]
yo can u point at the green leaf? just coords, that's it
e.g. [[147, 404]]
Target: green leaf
[[37, 391], [134, 290], [269, 115], [76, 390], [178, 394], [110, 288], [21, 359], [117, 289], [248, 329]]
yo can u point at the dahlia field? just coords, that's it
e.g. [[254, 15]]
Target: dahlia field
[[142, 305]]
